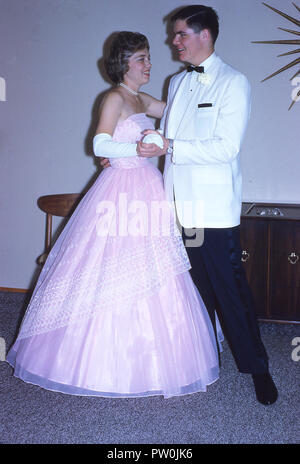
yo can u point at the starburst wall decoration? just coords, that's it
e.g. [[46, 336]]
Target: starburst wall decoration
[[286, 42]]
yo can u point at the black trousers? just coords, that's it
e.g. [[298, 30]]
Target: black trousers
[[221, 280]]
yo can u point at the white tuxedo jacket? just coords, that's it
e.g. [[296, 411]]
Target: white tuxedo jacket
[[204, 173]]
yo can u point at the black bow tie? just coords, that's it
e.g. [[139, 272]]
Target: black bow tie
[[198, 69]]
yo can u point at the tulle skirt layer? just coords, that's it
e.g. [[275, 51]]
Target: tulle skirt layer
[[163, 345]]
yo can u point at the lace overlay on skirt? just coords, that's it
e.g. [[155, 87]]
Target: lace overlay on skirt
[[74, 296]]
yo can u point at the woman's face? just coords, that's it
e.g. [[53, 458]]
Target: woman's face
[[139, 68]]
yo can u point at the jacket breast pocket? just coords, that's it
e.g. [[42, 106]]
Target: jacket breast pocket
[[205, 119]]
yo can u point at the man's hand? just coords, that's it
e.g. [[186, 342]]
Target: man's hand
[[104, 162], [150, 150]]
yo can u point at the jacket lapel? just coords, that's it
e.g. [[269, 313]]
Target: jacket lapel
[[181, 105], [187, 108], [184, 99], [177, 106]]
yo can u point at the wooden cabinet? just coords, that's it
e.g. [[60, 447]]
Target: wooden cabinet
[[255, 259], [270, 239]]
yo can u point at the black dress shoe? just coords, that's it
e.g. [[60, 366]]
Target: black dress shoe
[[265, 388]]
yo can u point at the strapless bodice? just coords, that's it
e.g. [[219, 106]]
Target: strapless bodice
[[130, 131]]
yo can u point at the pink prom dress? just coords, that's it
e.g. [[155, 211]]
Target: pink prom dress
[[115, 312]]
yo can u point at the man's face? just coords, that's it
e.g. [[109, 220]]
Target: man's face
[[189, 44]]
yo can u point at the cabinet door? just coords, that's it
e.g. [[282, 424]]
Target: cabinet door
[[254, 242], [285, 270]]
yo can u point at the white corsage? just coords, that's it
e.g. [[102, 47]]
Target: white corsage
[[204, 78], [154, 138]]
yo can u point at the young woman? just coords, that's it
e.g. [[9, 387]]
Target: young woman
[[115, 312]]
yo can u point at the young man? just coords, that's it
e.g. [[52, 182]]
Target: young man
[[203, 125]]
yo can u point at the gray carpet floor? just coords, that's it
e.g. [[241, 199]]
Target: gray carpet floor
[[227, 413]]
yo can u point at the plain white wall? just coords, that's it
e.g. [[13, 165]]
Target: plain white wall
[[50, 51]]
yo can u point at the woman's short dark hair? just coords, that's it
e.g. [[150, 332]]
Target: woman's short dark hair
[[122, 48], [199, 17]]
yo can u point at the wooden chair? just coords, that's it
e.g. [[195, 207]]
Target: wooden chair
[[55, 205]]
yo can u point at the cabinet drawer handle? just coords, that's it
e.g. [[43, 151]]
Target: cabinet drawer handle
[[293, 258], [245, 256]]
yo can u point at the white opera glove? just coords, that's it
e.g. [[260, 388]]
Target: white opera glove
[[106, 147]]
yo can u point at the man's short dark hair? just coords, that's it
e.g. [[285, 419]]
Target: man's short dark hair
[[122, 48], [199, 17]]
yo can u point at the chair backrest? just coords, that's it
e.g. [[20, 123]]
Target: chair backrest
[[58, 205], [62, 205]]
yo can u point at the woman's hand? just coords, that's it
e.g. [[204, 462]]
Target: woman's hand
[[105, 163]]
